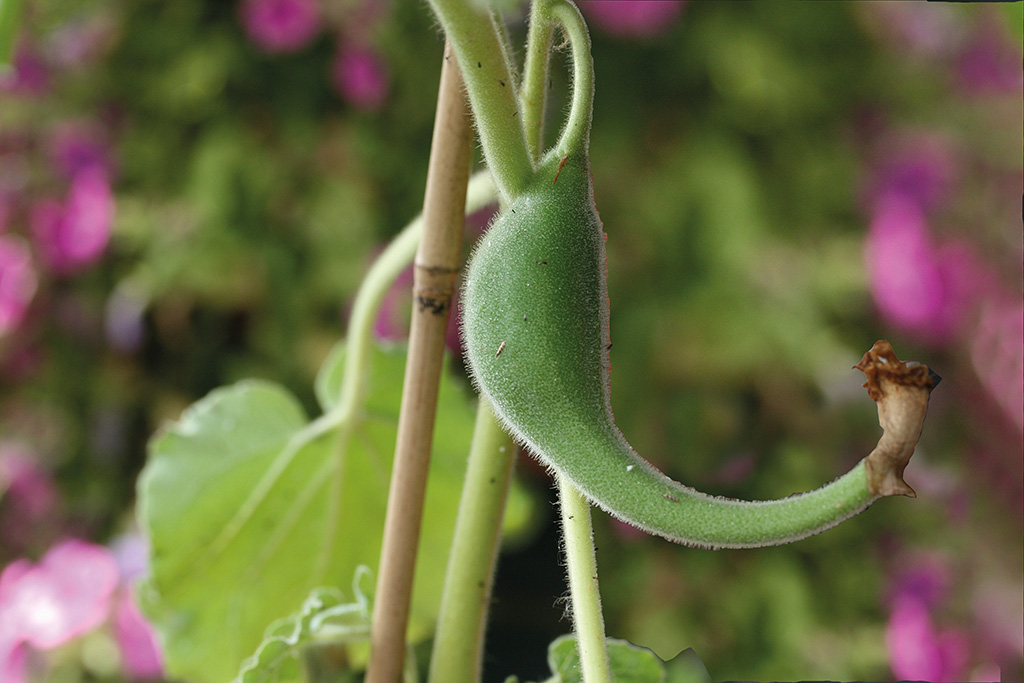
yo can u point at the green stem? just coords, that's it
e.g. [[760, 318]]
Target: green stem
[[576, 521], [458, 644], [476, 38], [533, 96], [395, 258], [586, 595], [575, 136]]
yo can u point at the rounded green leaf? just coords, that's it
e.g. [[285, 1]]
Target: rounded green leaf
[[248, 507]]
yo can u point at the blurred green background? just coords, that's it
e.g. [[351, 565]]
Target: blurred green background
[[782, 183]]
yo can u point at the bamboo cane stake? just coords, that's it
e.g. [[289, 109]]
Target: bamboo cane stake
[[437, 262]]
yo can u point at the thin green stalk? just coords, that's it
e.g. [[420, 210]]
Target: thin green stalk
[[581, 565], [395, 258], [458, 644], [576, 134], [577, 529], [491, 87], [533, 95]]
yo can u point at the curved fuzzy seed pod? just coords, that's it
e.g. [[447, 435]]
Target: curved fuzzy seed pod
[[537, 340]]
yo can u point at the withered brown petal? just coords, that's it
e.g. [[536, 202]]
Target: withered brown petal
[[901, 391]]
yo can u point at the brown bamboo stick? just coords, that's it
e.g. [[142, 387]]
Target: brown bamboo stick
[[437, 262]]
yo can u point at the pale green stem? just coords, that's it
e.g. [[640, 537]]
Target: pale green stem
[[458, 644], [586, 595], [575, 136], [533, 95], [476, 38], [577, 528], [381, 276]]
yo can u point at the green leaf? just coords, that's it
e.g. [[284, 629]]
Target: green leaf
[[248, 507], [686, 667], [323, 615], [629, 663]]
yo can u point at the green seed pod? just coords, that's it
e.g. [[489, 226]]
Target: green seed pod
[[535, 311]]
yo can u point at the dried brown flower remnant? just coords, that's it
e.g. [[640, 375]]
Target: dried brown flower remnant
[[901, 391]]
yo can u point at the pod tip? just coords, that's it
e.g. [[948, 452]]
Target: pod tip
[[901, 391]]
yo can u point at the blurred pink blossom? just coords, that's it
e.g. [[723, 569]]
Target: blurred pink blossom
[[925, 579], [281, 26], [920, 170], [75, 148], [997, 352], [914, 285], [76, 587], [923, 30], [76, 234], [46, 605], [29, 77], [632, 18], [6, 210], [361, 77], [18, 282], [917, 650], [28, 498], [140, 653], [991, 63], [80, 42], [392, 323]]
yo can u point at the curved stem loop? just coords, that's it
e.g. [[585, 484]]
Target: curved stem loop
[[575, 138]]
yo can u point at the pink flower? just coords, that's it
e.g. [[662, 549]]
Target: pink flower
[[633, 18], [927, 289], [29, 77], [76, 587], [997, 352], [913, 645], [392, 323], [926, 580], [928, 31], [361, 78], [6, 209], [80, 42], [17, 282], [76, 234], [902, 264], [29, 499], [281, 26], [919, 652], [140, 654], [920, 171], [75, 148], [44, 606], [991, 64]]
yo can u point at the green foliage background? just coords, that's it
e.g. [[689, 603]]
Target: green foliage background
[[731, 155]]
